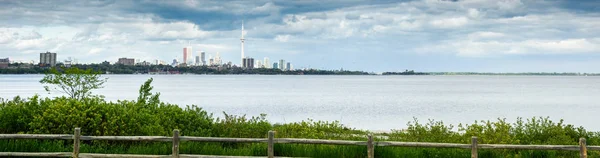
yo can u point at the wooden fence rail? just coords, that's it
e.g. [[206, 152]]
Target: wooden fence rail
[[270, 140]]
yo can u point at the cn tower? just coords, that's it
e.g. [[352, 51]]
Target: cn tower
[[242, 39]]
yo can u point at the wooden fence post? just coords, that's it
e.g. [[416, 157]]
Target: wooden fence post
[[474, 147], [582, 148], [270, 150], [175, 143], [76, 136], [370, 147]]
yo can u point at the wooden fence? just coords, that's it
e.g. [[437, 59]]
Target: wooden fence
[[271, 140]]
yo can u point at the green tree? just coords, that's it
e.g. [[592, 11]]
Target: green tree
[[74, 82]]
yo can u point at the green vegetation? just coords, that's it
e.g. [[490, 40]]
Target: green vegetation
[[148, 116], [74, 82], [406, 72]]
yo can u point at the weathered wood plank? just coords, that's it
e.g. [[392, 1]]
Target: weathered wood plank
[[36, 136], [370, 147], [529, 147], [90, 155], [129, 138], [76, 142], [217, 139], [270, 145], [423, 144], [318, 141], [175, 152], [593, 147], [474, 147], [582, 148], [28, 154]]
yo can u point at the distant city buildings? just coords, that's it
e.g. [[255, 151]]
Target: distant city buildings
[[187, 55], [217, 60], [175, 63], [48, 59], [267, 63], [203, 58], [68, 62], [143, 63], [248, 63], [4, 63], [126, 61], [281, 64]]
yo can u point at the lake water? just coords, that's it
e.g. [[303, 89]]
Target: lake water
[[364, 102]]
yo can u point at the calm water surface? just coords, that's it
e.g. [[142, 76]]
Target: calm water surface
[[363, 102]]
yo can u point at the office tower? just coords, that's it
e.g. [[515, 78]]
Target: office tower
[[203, 57], [197, 61], [187, 55], [266, 63], [288, 66], [275, 66], [126, 61], [4, 63], [282, 64], [248, 63], [218, 59], [48, 59]]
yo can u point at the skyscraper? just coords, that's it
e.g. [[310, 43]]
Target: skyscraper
[[281, 64], [187, 55], [203, 57], [267, 63], [218, 59], [288, 66], [48, 59], [248, 63], [258, 64], [275, 66], [197, 63]]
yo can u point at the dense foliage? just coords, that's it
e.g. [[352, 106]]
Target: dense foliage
[[145, 116], [76, 83], [406, 72]]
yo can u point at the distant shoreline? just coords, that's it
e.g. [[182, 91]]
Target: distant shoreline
[[232, 70]]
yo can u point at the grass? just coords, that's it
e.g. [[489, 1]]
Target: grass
[[259, 149]]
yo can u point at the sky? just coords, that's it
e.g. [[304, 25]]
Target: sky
[[373, 35]]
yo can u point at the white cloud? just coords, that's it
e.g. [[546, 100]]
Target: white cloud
[[450, 22], [95, 51], [474, 13], [486, 35], [282, 38], [533, 46]]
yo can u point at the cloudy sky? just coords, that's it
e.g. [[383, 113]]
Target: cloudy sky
[[428, 35]]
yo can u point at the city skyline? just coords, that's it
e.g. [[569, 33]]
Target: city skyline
[[427, 35]]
